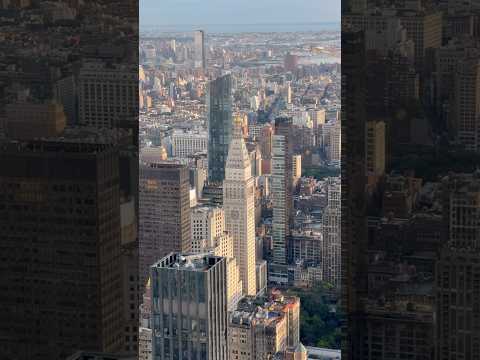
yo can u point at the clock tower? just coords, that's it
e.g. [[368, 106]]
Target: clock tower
[[239, 206]]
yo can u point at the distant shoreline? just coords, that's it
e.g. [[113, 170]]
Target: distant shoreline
[[243, 28]]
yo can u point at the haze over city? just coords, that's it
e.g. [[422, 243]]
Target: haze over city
[[211, 12]]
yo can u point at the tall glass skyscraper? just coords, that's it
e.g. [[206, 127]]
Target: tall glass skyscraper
[[282, 198], [219, 101]]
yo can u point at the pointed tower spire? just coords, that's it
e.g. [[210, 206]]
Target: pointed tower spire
[[238, 162]]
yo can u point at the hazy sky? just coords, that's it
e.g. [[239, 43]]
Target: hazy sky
[[179, 12]]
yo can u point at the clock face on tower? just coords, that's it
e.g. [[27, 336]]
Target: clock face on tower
[[234, 214]]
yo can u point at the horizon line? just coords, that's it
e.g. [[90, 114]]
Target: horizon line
[[243, 24]]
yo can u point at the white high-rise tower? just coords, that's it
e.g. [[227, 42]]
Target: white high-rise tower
[[239, 206], [199, 44]]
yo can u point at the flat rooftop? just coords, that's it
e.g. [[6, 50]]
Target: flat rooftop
[[188, 262]]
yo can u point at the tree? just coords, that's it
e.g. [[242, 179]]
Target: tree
[[319, 320]]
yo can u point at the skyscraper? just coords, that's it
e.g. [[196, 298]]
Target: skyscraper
[[219, 102], [318, 117], [279, 184], [199, 44], [284, 127], [466, 102], [282, 168], [290, 62], [164, 208], [191, 321], [334, 142], [425, 29], [458, 271], [239, 206], [108, 95], [331, 256], [353, 208], [62, 286], [266, 148]]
